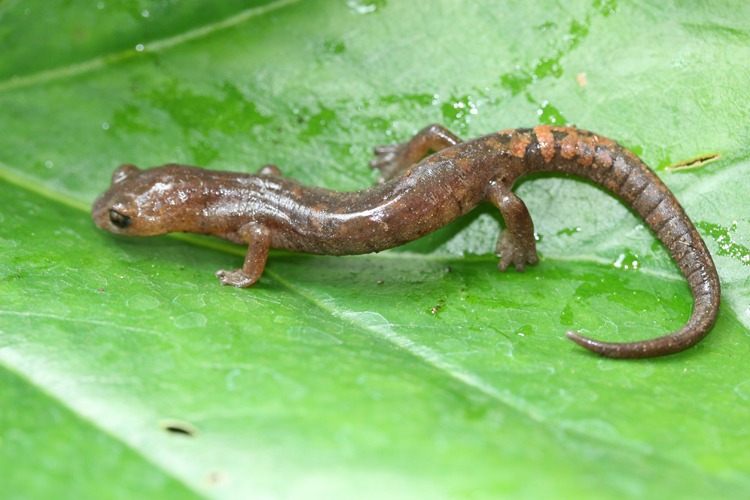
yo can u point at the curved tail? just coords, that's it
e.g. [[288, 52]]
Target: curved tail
[[569, 150]]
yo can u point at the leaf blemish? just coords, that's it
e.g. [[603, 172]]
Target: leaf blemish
[[214, 478], [695, 162], [179, 427]]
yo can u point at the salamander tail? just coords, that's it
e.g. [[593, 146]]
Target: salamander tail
[[618, 170]]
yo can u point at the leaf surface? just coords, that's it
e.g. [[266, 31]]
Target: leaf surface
[[421, 372]]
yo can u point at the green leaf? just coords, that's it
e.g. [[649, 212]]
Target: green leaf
[[421, 372]]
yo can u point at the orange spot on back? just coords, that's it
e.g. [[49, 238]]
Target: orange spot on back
[[604, 157], [518, 144], [546, 141], [585, 154], [569, 145]]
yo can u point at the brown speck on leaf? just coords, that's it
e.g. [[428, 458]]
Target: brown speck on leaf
[[102, 290], [178, 427], [380, 282], [435, 309], [581, 79], [214, 478], [448, 269]]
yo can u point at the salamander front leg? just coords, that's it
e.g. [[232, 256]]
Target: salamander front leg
[[516, 243], [258, 239], [393, 159]]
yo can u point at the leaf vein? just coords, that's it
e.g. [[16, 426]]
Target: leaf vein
[[155, 46]]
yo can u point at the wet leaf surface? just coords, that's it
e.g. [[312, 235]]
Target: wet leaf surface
[[421, 372]]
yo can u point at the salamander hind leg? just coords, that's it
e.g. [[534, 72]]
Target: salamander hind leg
[[393, 159], [516, 244]]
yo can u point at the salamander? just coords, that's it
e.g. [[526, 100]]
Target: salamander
[[416, 194]]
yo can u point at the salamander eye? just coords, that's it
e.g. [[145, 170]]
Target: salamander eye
[[118, 219]]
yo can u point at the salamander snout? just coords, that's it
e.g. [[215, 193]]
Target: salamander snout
[[107, 212], [109, 217], [99, 212]]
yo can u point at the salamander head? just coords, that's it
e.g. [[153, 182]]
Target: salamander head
[[147, 202]]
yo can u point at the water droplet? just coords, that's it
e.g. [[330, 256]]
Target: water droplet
[[230, 378], [105, 126], [8, 243], [311, 335], [142, 302], [190, 320], [743, 390], [139, 47], [189, 300], [362, 7], [618, 262]]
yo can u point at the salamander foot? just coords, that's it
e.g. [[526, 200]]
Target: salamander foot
[[391, 160], [237, 278], [514, 253]]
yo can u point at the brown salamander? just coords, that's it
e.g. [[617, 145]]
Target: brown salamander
[[415, 196]]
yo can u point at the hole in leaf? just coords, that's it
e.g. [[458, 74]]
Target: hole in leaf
[[178, 427], [695, 162]]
